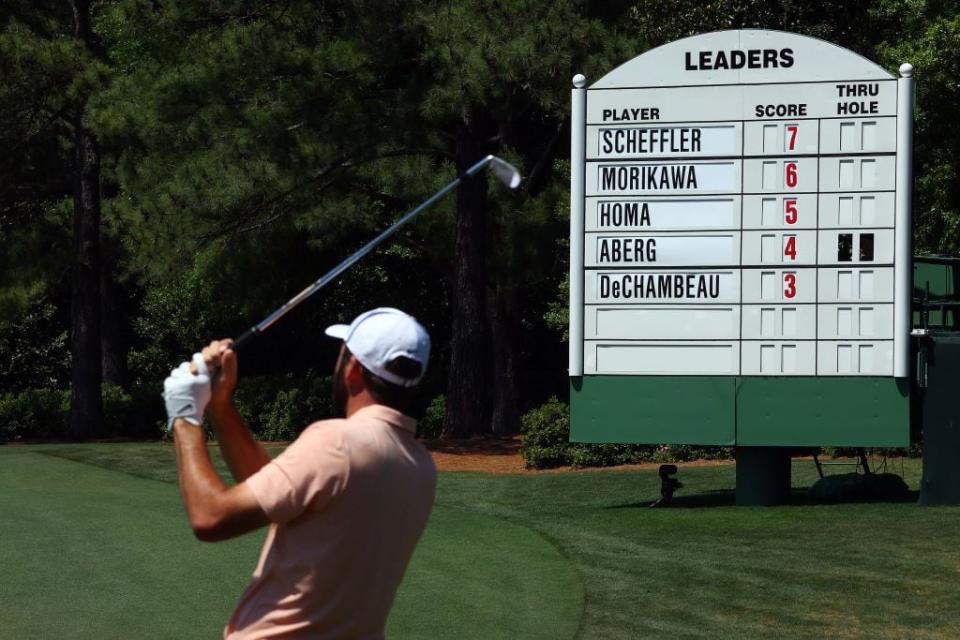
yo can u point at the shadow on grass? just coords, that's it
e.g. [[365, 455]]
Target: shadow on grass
[[728, 498]]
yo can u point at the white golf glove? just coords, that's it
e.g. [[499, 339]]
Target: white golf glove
[[185, 394]]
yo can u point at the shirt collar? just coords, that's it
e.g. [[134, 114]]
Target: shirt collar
[[387, 414]]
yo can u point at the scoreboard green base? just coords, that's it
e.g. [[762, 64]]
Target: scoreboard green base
[[742, 411]]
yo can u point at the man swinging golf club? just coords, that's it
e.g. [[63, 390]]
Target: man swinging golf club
[[346, 502]]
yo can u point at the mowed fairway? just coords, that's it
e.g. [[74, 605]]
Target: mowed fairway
[[94, 544]]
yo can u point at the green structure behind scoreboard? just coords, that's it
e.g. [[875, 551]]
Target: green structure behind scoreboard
[[743, 411]]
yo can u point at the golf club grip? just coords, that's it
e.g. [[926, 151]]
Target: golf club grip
[[245, 338]]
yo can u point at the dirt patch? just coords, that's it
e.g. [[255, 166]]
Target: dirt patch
[[492, 455], [502, 455]]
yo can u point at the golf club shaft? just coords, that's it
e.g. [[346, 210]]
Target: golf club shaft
[[328, 277]]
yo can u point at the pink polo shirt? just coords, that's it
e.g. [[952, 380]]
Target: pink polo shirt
[[349, 500]]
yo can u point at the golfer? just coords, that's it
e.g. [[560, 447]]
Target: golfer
[[346, 502]]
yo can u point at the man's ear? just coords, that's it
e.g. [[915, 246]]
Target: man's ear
[[353, 376]]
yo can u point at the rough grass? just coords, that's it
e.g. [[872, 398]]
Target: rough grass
[[604, 565]]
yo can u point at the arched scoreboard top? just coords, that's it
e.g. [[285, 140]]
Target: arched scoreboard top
[[743, 56], [740, 236]]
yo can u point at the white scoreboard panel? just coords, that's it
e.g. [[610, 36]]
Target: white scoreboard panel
[[741, 220]]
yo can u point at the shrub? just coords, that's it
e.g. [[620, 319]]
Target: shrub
[[279, 408], [546, 443], [34, 350], [546, 435], [117, 411], [607, 454], [431, 425], [33, 414]]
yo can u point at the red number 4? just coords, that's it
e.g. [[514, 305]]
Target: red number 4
[[790, 247]]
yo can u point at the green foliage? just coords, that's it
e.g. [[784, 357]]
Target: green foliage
[[33, 414], [928, 36], [33, 348], [546, 444], [546, 435], [41, 414], [279, 408], [247, 148], [431, 425]]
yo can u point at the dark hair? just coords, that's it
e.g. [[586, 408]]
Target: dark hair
[[406, 400]]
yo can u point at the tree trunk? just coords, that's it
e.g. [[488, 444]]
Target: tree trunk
[[506, 355], [86, 406], [114, 331], [467, 389]]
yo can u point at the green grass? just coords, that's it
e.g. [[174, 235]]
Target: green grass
[[90, 552], [94, 544]]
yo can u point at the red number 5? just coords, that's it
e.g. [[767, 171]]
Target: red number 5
[[790, 211]]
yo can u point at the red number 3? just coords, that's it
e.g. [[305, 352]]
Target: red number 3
[[790, 290]]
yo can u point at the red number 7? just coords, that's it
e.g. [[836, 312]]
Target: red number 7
[[792, 130]]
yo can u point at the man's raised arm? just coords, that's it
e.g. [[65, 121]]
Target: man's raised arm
[[244, 455]]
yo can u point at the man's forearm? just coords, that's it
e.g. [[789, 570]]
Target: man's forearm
[[216, 512], [244, 455], [199, 481]]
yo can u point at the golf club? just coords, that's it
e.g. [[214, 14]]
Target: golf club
[[505, 172]]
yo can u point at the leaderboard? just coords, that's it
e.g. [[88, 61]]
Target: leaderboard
[[740, 229]]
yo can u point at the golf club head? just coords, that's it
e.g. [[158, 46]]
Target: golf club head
[[506, 172]]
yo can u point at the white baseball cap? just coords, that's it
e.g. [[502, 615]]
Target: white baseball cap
[[379, 336]]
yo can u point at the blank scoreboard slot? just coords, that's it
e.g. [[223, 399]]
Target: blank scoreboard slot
[[848, 137], [768, 322], [769, 181], [779, 322], [855, 284], [863, 173], [694, 358], [855, 321], [868, 174], [869, 139], [778, 358], [771, 138], [858, 135], [855, 358], [663, 323], [845, 211], [856, 210]]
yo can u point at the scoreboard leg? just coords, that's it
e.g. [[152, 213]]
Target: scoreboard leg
[[763, 476]]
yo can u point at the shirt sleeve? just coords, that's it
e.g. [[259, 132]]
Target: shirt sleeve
[[306, 476]]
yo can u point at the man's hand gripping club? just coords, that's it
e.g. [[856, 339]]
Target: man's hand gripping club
[[208, 380]]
